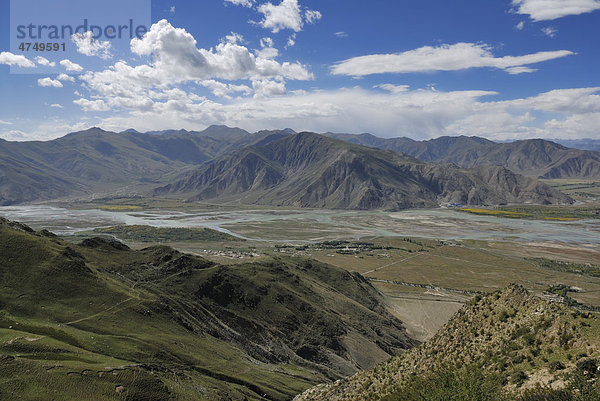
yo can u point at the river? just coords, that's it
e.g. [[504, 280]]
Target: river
[[264, 224]]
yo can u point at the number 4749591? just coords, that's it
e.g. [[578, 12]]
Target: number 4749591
[[42, 47]]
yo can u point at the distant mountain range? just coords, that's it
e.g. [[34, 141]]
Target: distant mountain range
[[96, 162], [227, 162], [533, 157], [585, 144], [310, 170]]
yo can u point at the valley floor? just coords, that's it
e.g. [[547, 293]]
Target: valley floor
[[426, 262]]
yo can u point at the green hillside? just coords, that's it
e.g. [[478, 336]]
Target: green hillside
[[99, 321]]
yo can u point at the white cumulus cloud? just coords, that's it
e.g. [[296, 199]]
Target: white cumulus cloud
[[44, 61], [446, 57], [393, 88], [291, 42], [176, 57], [312, 16], [389, 110], [544, 10], [71, 66], [14, 135], [176, 60], [550, 31], [267, 49], [224, 90], [47, 130], [286, 15], [15, 59], [245, 3], [50, 82], [91, 105], [520, 70], [268, 87], [86, 44], [65, 77], [566, 101]]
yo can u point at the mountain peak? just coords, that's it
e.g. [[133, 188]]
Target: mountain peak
[[539, 142], [89, 131], [131, 131], [223, 131], [96, 129]]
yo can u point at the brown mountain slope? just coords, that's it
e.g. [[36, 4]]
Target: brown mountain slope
[[310, 170], [533, 157], [102, 162]]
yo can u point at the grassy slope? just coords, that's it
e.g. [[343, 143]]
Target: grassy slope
[[86, 321], [509, 333]]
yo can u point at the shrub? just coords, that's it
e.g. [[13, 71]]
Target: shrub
[[583, 388], [529, 339], [519, 377], [521, 331], [448, 384], [546, 394], [555, 366], [589, 367]]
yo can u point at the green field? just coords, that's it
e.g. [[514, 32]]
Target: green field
[[585, 193], [539, 212], [586, 190], [137, 233]]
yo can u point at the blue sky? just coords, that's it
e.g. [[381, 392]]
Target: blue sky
[[505, 69]]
